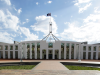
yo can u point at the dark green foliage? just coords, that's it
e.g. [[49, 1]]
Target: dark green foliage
[[70, 67], [18, 67]]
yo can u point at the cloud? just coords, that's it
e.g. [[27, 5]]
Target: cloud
[[7, 2], [42, 25], [23, 22], [9, 20], [27, 20], [49, 2], [93, 18], [84, 8], [82, 4], [77, 2], [55, 15], [88, 31], [95, 10], [0, 27], [19, 10], [6, 37], [28, 34], [13, 35], [37, 3]]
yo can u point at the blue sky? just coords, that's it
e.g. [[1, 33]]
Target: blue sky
[[72, 20]]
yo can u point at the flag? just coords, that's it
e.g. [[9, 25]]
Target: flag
[[49, 14]]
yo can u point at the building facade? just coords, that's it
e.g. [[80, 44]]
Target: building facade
[[49, 50]]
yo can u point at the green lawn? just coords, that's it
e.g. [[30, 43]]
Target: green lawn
[[70, 67], [18, 67]]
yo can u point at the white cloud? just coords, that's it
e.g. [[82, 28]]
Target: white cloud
[[49, 2], [77, 2], [13, 35], [28, 34], [5, 37], [42, 25], [95, 10], [37, 3], [0, 27], [9, 20], [82, 4], [23, 22], [7, 2], [55, 15], [84, 8], [19, 10], [92, 18], [14, 8], [27, 20], [88, 31]]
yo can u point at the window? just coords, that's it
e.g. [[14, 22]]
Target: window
[[50, 45], [16, 47], [1, 47], [95, 48], [33, 46], [84, 48], [89, 48], [6, 47], [11, 47]]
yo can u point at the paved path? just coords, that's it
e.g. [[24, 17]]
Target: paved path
[[50, 65]]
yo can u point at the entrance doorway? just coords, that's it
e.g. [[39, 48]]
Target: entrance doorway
[[50, 56], [44, 56], [55, 56]]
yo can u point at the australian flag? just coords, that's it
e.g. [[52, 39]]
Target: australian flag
[[49, 14]]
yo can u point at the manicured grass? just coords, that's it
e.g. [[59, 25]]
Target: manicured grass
[[70, 67], [18, 67]]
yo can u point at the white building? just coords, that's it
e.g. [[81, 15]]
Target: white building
[[49, 50]]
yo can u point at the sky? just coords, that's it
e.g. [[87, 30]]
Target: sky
[[72, 20]]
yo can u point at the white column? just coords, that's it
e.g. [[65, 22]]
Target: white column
[[91, 52], [60, 53], [86, 52], [8, 51], [3, 51], [19, 51], [53, 54], [69, 50], [97, 47], [79, 51], [41, 53], [35, 50], [13, 51], [30, 51], [25, 50], [46, 53], [74, 51], [65, 51]]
